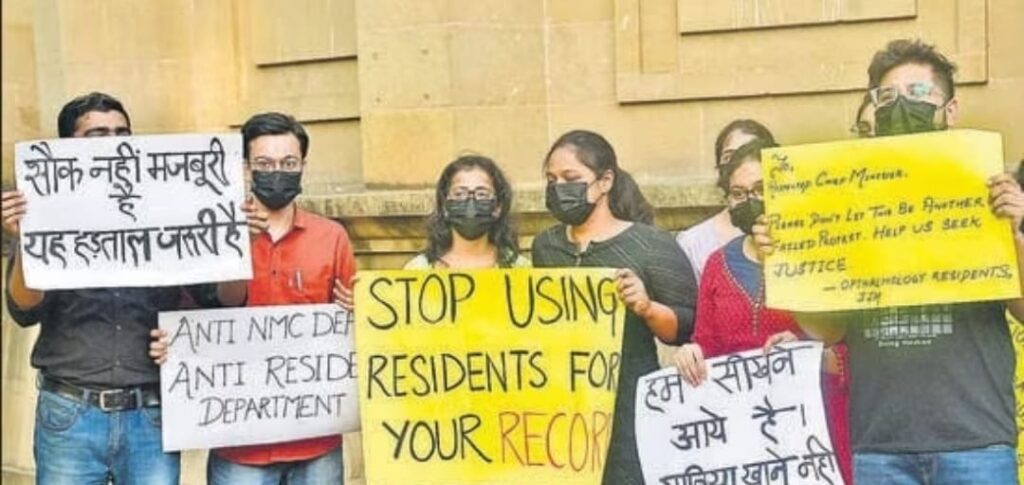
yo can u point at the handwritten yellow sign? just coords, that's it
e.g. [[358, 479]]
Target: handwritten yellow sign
[[491, 376], [886, 222], [1017, 331]]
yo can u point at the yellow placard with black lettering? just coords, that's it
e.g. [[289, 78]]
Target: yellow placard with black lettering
[[487, 376], [884, 222]]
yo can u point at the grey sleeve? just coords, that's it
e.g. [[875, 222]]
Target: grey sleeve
[[672, 283]]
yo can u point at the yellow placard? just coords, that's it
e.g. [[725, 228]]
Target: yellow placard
[[1017, 331], [487, 377], [884, 222]]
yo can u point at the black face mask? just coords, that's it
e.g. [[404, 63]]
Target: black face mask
[[470, 218], [567, 201], [904, 117], [745, 214], [276, 189]]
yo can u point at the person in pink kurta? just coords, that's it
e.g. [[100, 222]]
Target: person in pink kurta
[[731, 314]]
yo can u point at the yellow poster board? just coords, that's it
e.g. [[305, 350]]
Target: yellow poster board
[[891, 221], [488, 376], [1017, 331]]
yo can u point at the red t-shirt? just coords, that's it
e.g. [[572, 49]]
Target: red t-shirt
[[299, 268]]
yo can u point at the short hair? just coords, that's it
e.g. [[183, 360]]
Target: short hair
[[273, 123], [906, 51], [749, 127], [68, 117], [751, 149]]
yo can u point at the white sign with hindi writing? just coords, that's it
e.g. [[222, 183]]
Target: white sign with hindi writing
[[757, 419], [132, 211], [243, 376]]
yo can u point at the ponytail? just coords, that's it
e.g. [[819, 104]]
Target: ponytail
[[627, 202]]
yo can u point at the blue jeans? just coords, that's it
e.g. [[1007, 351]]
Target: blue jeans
[[78, 444], [993, 465], [324, 469]]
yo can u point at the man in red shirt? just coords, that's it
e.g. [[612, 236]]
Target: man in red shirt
[[299, 257]]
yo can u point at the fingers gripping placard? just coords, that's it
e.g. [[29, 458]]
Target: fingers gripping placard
[[887, 222], [494, 376]]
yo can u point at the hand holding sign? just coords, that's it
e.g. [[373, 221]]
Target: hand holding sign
[[633, 292], [158, 346], [1007, 199], [255, 217], [762, 235], [13, 211]]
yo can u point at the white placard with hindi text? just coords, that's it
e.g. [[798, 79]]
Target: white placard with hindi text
[[252, 375], [757, 419], [154, 210]]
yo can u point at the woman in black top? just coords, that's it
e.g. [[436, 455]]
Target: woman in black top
[[605, 222]]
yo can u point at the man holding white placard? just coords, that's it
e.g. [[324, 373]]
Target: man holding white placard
[[299, 258], [98, 413]]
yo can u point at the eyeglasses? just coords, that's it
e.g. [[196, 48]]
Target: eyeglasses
[[919, 91], [287, 164], [740, 194], [480, 193]]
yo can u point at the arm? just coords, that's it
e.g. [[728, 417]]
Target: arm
[[26, 306], [23, 302], [673, 288], [236, 293], [21, 296], [344, 270]]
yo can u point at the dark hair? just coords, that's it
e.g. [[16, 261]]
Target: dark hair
[[747, 126], [751, 149], [501, 234], [273, 124], [625, 200], [1020, 172], [905, 51], [76, 108]]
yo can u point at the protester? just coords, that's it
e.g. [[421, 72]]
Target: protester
[[699, 241], [299, 258], [731, 312], [98, 411], [932, 403], [469, 227], [605, 222]]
